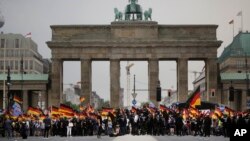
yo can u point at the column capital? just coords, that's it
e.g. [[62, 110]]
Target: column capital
[[114, 59], [85, 59], [182, 59], [153, 59]]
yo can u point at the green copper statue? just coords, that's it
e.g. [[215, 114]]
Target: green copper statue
[[147, 14], [118, 14], [133, 9]]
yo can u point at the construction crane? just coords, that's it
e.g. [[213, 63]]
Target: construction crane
[[192, 71], [195, 73], [128, 81]]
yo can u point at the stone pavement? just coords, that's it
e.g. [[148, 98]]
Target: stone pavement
[[125, 138]]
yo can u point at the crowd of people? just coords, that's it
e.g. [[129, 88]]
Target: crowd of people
[[136, 122]]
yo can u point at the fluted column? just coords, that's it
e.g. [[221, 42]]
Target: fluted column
[[115, 83], [86, 80], [55, 95], [153, 78], [182, 77], [211, 80]]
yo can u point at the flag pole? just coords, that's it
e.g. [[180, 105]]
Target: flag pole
[[241, 21], [233, 30], [232, 22], [241, 14]]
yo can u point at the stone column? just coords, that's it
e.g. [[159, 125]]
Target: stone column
[[211, 80], [55, 94], [243, 101], [153, 78], [114, 83], [43, 98], [34, 98], [182, 79], [86, 80], [25, 100]]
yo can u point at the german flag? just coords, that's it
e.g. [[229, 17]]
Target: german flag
[[213, 115], [194, 112], [42, 117], [151, 110], [65, 109], [81, 108], [68, 115], [164, 108], [34, 111], [229, 112], [218, 112], [82, 98], [185, 114], [195, 98], [17, 99], [106, 111], [82, 115], [133, 109], [54, 110], [90, 109]]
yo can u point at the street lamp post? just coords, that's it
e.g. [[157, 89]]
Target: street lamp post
[[10, 96], [22, 71], [4, 69], [247, 76], [2, 21]]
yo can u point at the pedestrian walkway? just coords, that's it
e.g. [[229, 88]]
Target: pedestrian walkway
[[124, 138]]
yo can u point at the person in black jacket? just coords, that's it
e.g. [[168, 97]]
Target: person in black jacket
[[47, 123], [23, 130], [207, 126]]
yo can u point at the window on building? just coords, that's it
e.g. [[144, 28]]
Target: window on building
[[7, 64], [26, 64], [31, 64], [17, 43], [2, 54], [11, 65], [2, 43], [240, 64], [1, 65], [11, 53], [16, 65], [8, 53], [16, 53], [22, 52]]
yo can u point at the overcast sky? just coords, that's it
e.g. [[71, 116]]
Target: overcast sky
[[36, 16]]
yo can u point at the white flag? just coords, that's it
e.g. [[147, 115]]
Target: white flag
[[240, 13]]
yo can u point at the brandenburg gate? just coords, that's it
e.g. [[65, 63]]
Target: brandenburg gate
[[133, 40]]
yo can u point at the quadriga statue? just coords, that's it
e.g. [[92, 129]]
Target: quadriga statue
[[147, 14], [133, 9], [118, 15]]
